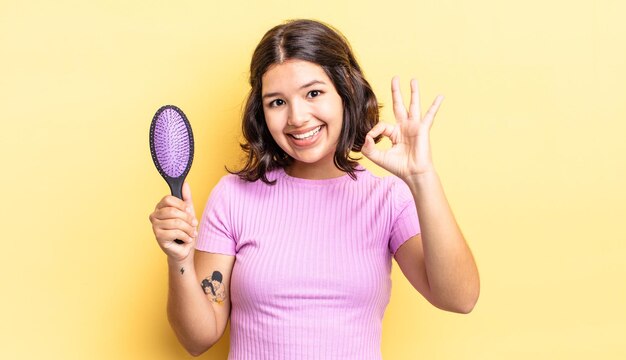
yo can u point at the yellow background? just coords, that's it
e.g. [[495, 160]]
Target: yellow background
[[529, 144]]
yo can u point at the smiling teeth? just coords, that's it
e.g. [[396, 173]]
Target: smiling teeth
[[308, 134]]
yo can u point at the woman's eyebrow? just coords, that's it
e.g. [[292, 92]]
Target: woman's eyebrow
[[310, 83]]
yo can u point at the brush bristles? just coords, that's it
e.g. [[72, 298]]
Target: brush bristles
[[171, 143]]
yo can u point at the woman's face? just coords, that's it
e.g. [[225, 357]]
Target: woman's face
[[303, 111]]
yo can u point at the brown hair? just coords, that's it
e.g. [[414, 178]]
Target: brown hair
[[318, 43]]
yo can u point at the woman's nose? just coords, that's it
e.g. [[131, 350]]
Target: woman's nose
[[298, 115]]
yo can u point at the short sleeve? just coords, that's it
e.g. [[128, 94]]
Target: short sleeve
[[405, 223], [216, 232]]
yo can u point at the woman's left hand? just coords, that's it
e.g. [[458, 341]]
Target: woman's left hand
[[410, 154]]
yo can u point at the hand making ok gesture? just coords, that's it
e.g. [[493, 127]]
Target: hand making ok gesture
[[410, 154]]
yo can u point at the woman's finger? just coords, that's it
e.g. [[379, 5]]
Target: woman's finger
[[414, 107], [170, 236], [432, 111], [170, 200], [174, 213], [187, 197], [399, 110], [370, 151], [177, 224], [382, 128], [369, 147]]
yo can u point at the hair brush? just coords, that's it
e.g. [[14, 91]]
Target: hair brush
[[171, 146]]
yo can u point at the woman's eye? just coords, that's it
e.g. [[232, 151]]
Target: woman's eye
[[277, 102], [314, 93]]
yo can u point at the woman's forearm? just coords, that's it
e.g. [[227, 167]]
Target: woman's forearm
[[189, 311], [450, 267]]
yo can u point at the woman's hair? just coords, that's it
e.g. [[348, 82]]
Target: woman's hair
[[317, 43]]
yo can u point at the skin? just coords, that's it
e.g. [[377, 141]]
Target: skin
[[438, 262], [298, 96], [197, 321]]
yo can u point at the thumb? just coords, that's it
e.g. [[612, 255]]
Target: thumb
[[370, 151], [187, 197]]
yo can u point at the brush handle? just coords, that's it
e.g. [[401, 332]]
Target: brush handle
[[176, 186]]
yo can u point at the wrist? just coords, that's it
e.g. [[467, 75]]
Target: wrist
[[422, 180], [180, 265]]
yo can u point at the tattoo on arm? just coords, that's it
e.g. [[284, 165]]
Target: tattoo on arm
[[214, 288], [182, 270]]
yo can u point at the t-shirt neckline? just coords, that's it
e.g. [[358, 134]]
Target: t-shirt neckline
[[330, 181]]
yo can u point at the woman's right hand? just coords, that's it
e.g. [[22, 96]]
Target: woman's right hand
[[175, 219]]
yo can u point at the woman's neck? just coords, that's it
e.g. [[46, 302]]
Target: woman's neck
[[313, 171]]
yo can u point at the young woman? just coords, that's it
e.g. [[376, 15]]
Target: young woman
[[295, 248]]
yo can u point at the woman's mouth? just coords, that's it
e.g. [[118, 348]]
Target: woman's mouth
[[307, 138], [307, 134]]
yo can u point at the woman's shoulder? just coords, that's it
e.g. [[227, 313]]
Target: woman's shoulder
[[385, 181], [233, 182], [389, 186]]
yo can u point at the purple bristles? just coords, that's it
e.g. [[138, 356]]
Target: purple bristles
[[171, 142]]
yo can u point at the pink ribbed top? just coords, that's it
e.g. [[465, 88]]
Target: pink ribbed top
[[311, 278]]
